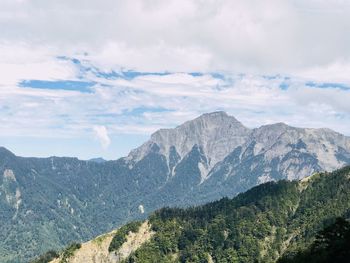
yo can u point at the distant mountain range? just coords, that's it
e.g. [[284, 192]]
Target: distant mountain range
[[97, 160], [285, 222], [48, 202]]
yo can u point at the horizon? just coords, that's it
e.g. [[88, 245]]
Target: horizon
[[84, 79], [148, 137]]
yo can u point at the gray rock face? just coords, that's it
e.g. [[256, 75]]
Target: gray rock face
[[289, 146], [234, 158], [294, 152], [216, 133]]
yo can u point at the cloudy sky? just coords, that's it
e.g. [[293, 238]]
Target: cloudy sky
[[93, 78]]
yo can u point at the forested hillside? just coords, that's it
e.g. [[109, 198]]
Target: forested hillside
[[273, 221], [331, 244]]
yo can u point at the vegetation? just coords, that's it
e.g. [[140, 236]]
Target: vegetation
[[120, 237], [98, 240], [261, 225], [69, 252], [283, 222], [227, 230], [331, 245], [64, 256], [47, 257], [62, 200]]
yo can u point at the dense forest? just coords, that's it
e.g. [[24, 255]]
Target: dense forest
[[331, 244], [282, 221], [261, 225]]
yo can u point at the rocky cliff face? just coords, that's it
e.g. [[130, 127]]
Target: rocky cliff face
[[216, 133], [215, 155], [96, 250], [281, 151]]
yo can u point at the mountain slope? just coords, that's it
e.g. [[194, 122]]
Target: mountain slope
[[48, 199], [261, 225], [57, 200]]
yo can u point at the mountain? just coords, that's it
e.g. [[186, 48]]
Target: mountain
[[215, 133], [97, 160], [268, 223], [49, 202], [215, 156]]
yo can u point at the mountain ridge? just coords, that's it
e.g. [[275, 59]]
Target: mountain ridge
[[262, 136], [58, 196], [264, 224]]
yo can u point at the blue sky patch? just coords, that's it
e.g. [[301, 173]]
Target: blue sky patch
[[125, 74], [196, 74], [284, 86], [81, 86], [270, 77], [130, 74], [327, 85], [106, 75], [218, 76], [143, 109]]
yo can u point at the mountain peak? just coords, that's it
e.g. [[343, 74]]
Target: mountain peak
[[208, 121], [216, 116], [216, 132]]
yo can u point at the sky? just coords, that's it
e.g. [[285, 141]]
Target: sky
[[94, 78]]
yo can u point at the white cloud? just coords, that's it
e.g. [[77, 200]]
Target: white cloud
[[185, 35], [337, 71], [147, 103], [21, 62], [101, 134], [305, 40]]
